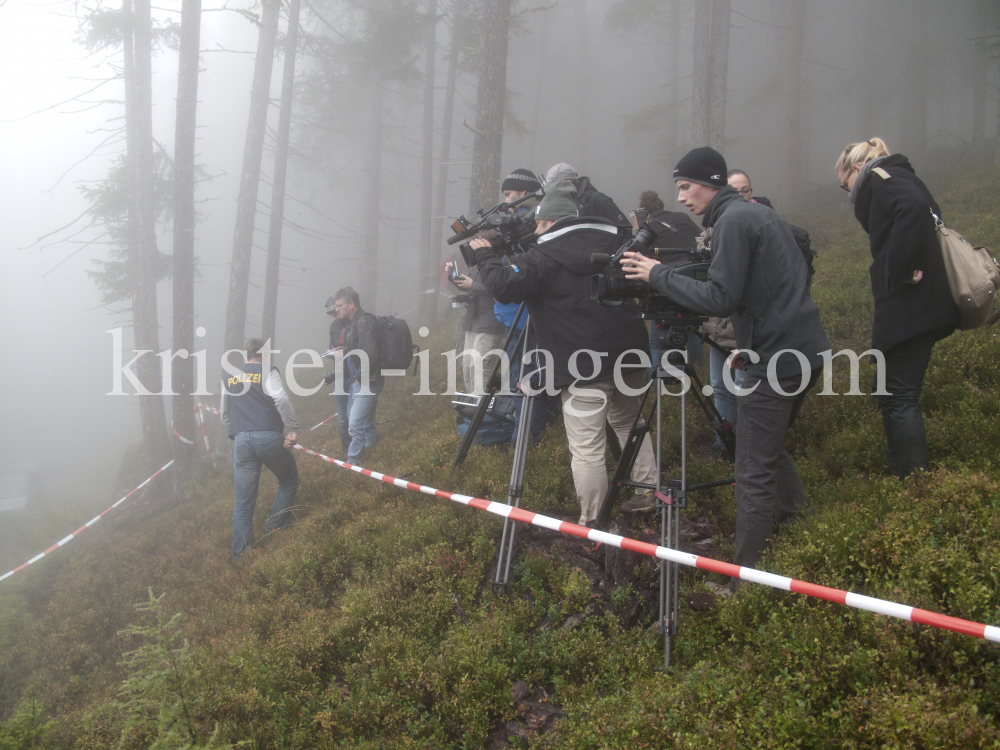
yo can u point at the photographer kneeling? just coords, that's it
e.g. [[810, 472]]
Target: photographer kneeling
[[553, 277], [758, 279]]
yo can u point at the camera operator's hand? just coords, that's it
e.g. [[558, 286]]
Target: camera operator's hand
[[460, 280], [638, 266]]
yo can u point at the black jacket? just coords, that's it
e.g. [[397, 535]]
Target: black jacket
[[554, 278], [362, 335], [895, 213], [679, 232], [758, 279], [479, 317], [591, 202], [337, 327]]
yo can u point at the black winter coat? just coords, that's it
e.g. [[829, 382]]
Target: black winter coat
[[362, 335], [591, 202], [554, 278], [895, 214]]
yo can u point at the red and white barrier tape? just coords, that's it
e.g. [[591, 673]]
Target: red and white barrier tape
[[206, 407], [83, 528], [179, 436], [320, 424], [201, 421], [878, 606]]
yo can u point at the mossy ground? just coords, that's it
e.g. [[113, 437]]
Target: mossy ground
[[344, 631]]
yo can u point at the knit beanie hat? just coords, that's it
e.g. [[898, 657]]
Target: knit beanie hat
[[560, 171], [559, 201], [521, 179], [702, 166]]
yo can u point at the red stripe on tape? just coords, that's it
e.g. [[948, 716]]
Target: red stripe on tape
[[820, 592], [643, 548], [717, 566], [948, 623]]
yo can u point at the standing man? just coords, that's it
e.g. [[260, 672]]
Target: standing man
[[364, 373], [758, 279], [256, 409], [589, 200], [338, 331], [554, 278]]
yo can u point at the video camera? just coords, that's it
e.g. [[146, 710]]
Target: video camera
[[512, 226], [612, 289]]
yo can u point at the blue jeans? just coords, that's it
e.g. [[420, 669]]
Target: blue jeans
[[250, 451], [362, 419], [725, 400], [343, 405]]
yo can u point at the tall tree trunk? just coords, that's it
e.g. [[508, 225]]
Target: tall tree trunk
[[437, 228], [428, 268], [673, 75], [996, 153], [584, 87], [536, 107], [182, 370], [979, 88], [371, 196], [913, 131], [794, 37], [487, 145], [720, 68], [701, 73], [142, 226], [278, 184], [246, 203]]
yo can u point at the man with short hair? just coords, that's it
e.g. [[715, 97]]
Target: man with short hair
[[338, 332], [757, 278], [256, 410], [589, 200], [554, 278], [364, 373]]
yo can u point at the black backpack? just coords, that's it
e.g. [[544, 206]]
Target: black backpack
[[395, 344], [808, 254]]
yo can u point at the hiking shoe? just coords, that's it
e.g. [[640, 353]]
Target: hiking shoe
[[641, 502]]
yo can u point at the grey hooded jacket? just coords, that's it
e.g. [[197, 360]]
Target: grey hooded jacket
[[758, 279]]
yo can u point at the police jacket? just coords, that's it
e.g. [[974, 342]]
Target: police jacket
[[362, 334], [758, 279], [254, 403], [895, 211], [554, 277]]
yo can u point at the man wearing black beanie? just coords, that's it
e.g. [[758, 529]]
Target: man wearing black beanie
[[758, 279]]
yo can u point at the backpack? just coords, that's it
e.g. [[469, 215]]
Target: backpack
[[395, 344], [808, 254], [973, 275]]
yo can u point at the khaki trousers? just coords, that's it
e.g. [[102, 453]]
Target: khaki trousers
[[479, 343], [602, 402]]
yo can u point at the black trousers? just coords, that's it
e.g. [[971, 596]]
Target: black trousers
[[905, 367]]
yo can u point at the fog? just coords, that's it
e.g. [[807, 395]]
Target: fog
[[590, 82]]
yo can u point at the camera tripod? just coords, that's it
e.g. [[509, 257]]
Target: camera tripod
[[671, 494]]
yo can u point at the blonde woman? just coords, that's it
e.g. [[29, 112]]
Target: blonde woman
[[913, 305]]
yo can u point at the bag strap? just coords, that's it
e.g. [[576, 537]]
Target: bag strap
[[937, 219]]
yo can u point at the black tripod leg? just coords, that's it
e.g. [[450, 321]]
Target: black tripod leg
[[626, 460], [492, 386], [721, 426], [514, 494]]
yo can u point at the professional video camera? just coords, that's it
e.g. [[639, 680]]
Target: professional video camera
[[512, 226], [611, 288]]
